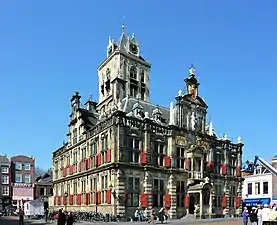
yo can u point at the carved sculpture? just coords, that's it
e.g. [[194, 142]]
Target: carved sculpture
[[193, 121]]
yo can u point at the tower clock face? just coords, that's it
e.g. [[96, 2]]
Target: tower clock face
[[133, 49]]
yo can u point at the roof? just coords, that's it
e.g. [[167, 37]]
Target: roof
[[4, 159]]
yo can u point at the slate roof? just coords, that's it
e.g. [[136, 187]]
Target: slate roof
[[90, 118], [4, 159]]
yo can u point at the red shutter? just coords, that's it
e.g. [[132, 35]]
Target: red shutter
[[167, 161], [143, 158], [224, 201], [71, 199], [59, 200], [79, 199], [87, 198], [64, 172], [223, 169], [99, 198], [186, 164], [99, 160], [238, 171], [108, 155], [96, 160], [143, 200], [70, 170], [80, 166], [55, 200], [108, 197], [167, 201], [96, 198], [238, 202], [87, 164], [186, 201], [210, 167], [64, 200]]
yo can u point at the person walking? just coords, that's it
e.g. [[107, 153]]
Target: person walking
[[161, 215], [253, 216], [61, 218], [70, 219], [21, 216], [46, 214], [245, 216], [259, 215]]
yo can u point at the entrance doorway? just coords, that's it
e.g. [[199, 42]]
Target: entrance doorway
[[191, 204]]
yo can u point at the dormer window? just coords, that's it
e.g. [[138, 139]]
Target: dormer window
[[142, 76], [157, 115], [133, 73], [75, 136]]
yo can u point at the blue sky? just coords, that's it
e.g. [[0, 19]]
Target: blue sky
[[49, 50]]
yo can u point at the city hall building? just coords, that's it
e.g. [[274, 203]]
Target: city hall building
[[124, 152]]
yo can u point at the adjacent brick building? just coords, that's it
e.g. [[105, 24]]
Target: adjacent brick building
[[23, 179], [5, 185]]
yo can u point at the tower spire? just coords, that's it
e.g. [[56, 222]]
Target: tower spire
[[123, 25]]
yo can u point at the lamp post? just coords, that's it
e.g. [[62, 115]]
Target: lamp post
[[65, 195]]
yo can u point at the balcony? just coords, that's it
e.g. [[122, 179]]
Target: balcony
[[195, 175]]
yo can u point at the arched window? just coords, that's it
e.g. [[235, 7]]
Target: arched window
[[133, 72], [108, 74]]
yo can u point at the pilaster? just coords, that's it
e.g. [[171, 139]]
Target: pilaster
[[172, 192], [147, 185], [119, 199]]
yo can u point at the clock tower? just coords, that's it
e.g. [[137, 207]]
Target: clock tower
[[123, 73]]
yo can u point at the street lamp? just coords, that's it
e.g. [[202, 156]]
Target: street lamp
[[65, 195]]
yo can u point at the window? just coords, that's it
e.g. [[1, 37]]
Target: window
[[265, 187], [218, 194], [104, 187], [74, 136], [158, 192], [93, 149], [133, 189], [18, 178], [68, 160], [83, 153], [158, 154], [133, 72], [5, 190], [142, 76], [5, 169], [232, 166], [180, 193], [180, 158], [75, 157], [27, 178], [105, 143], [27, 166], [5, 179], [257, 188], [18, 166], [75, 188], [249, 189], [133, 149], [133, 91]]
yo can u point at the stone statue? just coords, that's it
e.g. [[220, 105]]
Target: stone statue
[[239, 140], [119, 106], [193, 121], [207, 180], [179, 93], [146, 115], [225, 137]]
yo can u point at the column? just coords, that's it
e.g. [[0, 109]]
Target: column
[[147, 185], [227, 194], [120, 194], [202, 167], [201, 204], [172, 192], [211, 204], [192, 166]]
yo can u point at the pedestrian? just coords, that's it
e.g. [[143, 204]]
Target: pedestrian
[[259, 215], [70, 219], [253, 216], [152, 216], [265, 214], [161, 215], [21, 216], [46, 214], [245, 216], [61, 218]]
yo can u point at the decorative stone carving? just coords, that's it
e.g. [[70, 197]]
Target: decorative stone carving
[[225, 137], [181, 141], [193, 121], [179, 93], [239, 140]]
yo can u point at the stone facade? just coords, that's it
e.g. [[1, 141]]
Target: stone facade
[[125, 152]]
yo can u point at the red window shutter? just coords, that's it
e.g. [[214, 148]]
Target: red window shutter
[[210, 167], [186, 164], [238, 171], [96, 198], [87, 198], [55, 200], [80, 166], [96, 160], [186, 199], [99, 197], [59, 200], [64, 200], [71, 200], [79, 199], [108, 197], [223, 169], [224, 201], [167, 201], [109, 155], [87, 164], [238, 202], [167, 161], [143, 200], [99, 159], [143, 158]]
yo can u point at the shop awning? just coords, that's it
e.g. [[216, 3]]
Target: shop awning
[[256, 201]]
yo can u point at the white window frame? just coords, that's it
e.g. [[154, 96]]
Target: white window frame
[[5, 190], [5, 181], [27, 175], [16, 177], [29, 168], [18, 165], [5, 169]]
